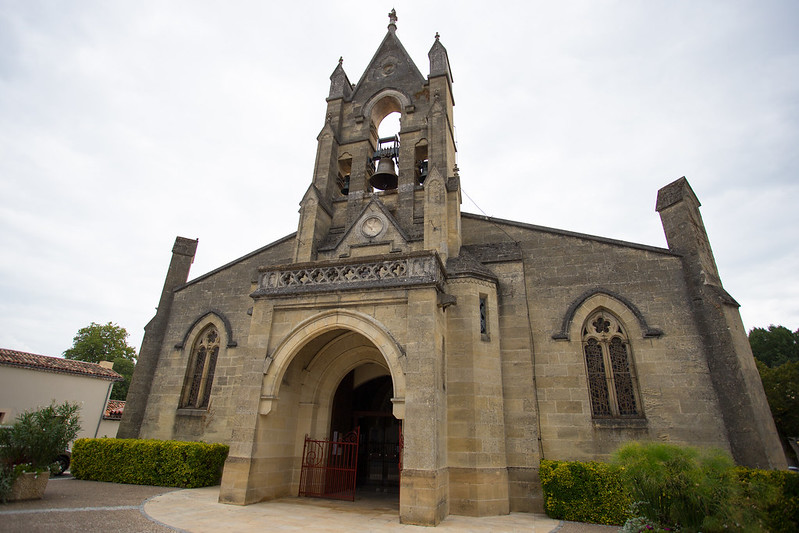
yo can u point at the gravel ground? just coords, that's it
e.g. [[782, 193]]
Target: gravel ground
[[83, 506]]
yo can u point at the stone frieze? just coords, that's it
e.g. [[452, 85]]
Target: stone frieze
[[361, 273]]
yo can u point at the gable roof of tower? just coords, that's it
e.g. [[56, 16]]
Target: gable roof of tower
[[56, 364], [392, 56]]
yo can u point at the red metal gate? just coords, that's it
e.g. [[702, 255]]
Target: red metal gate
[[401, 449], [329, 467]]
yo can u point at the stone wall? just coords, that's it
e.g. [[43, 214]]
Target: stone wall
[[566, 276], [220, 297]]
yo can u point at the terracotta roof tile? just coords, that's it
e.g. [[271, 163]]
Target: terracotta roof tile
[[114, 409], [56, 364]]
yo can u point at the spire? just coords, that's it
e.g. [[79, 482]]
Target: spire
[[439, 61], [340, 86], [391, 66]]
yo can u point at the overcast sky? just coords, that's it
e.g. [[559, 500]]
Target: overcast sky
[[125, 124]]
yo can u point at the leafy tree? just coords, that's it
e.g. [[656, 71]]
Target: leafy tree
[[782, 391], [96, 343], [775, 346], [125, 368], [105, 342], [776, 352]]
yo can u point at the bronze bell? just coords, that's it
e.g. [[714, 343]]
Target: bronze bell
[[385, 177]]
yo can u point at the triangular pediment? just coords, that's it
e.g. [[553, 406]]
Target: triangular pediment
[[375, 232], [391, 66], [313, 197]]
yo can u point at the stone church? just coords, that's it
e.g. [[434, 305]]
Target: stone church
[[463, 348]]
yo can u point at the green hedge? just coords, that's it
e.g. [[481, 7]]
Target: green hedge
[[584, 492], [775, 493], [149, 462], [593, 492]]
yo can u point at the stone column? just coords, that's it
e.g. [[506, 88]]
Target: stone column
[[478, 466], [424, 480], [239, 485]]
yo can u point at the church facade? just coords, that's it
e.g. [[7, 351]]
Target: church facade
[[464, 348]]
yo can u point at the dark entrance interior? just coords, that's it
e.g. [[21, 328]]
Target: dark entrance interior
[[366, 403]]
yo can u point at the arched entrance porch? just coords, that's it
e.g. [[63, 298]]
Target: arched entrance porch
[[301, 376]]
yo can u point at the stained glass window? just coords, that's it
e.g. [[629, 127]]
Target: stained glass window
[[200, 374], [611, 380]]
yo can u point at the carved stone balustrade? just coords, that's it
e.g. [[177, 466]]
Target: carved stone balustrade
[[414, 269]]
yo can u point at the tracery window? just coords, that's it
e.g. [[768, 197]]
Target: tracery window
[[611, 377], [200, 373]]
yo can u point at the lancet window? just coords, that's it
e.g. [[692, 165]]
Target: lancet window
[[200, 373], [483, 311], [612, 382]]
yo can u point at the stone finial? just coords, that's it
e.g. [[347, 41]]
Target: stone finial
[[392, 20], [439, 62], [340, 86]]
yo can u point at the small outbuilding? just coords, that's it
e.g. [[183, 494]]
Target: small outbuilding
[[29, 381]]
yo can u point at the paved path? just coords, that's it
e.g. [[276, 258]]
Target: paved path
[[197, 510], [70, 505]]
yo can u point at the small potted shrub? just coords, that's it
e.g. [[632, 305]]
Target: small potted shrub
[[29, 447]]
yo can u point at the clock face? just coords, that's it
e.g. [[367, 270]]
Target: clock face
[[372, 226]]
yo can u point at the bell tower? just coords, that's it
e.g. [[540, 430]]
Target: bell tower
[[371, 195]]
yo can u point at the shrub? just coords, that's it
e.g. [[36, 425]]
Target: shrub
[[34, 440], [649, 485], [773, 494], [685, 488], [149, 462], [6, 481], [584, 492], [37, 437]]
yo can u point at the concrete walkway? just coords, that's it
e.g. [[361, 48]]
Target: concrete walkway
[[71, 505], [197, 510]]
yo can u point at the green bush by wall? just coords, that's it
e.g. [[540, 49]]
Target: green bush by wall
[[775, 494], [594, 492], [584, 492], [148, 462]]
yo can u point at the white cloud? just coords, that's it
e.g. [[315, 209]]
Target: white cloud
[[124, 125]]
